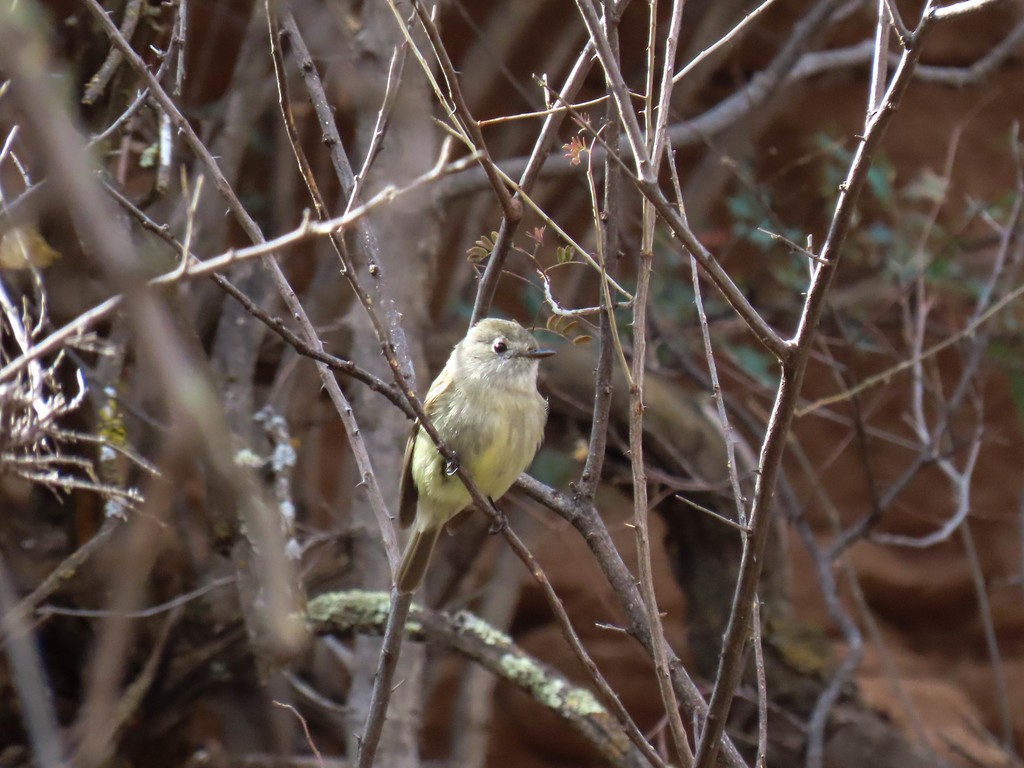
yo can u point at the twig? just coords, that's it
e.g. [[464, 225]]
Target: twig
[[880, 58], [885, 377], [98, 82], [204, 268], [510, 206], [641, 511], [962, 8], [608, 695], [557, 228], [724, 41], [711, 513], [756, 92], [610, 235], [29, 679], [790, 244], [897, 22], [619, 90], [762, 688], [988, 625], [736, 298], [144, 613], [607, 306], [657, 141], [541, 113], [585, 518], [394, 81], [67, 567], [181, 39], [655, 136], [542, 147], [305, 730], [389, 331], [716, 387], [854, 646]]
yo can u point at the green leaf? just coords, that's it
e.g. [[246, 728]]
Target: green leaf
[[756, 364]]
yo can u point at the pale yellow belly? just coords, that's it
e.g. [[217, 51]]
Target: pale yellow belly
[[499, 452]]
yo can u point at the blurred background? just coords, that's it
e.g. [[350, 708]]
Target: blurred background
[[162, 614]]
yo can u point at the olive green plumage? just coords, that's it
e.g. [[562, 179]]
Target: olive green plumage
[[486, 408]]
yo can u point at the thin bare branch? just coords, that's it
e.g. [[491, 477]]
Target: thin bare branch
[[724, 42]]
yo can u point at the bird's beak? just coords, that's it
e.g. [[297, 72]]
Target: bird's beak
[[537, 354]]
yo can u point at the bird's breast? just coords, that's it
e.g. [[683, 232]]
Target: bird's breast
[[496, 440], [512, 432]]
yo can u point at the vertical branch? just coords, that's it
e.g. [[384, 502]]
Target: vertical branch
[[717, 394], [620, 91], [762, 690], [640, 513], [377, 300], [609, 222], [658, 141], [793, 369], [989, 627], [386, 663], [28, 678], [880, 60], [369, 699], [388, 330], [655, 144], [181, 38], [334, 391], [851, 634]]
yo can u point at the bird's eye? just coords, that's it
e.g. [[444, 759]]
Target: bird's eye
[[500, 347]]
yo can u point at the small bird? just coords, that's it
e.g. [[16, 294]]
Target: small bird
[[486, 408]]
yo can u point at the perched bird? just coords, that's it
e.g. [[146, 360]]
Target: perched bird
[[487, 410]]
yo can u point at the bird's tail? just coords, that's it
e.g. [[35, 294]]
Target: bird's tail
[[416, 559]]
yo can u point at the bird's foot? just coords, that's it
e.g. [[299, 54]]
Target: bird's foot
[[500, 519], [451, 466]]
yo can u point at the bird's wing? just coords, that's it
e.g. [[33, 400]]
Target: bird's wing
[[408, 496]]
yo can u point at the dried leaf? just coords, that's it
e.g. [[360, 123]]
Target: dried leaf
[[22, 247]]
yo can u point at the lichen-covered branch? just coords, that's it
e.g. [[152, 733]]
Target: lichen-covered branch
[[359, 612]]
